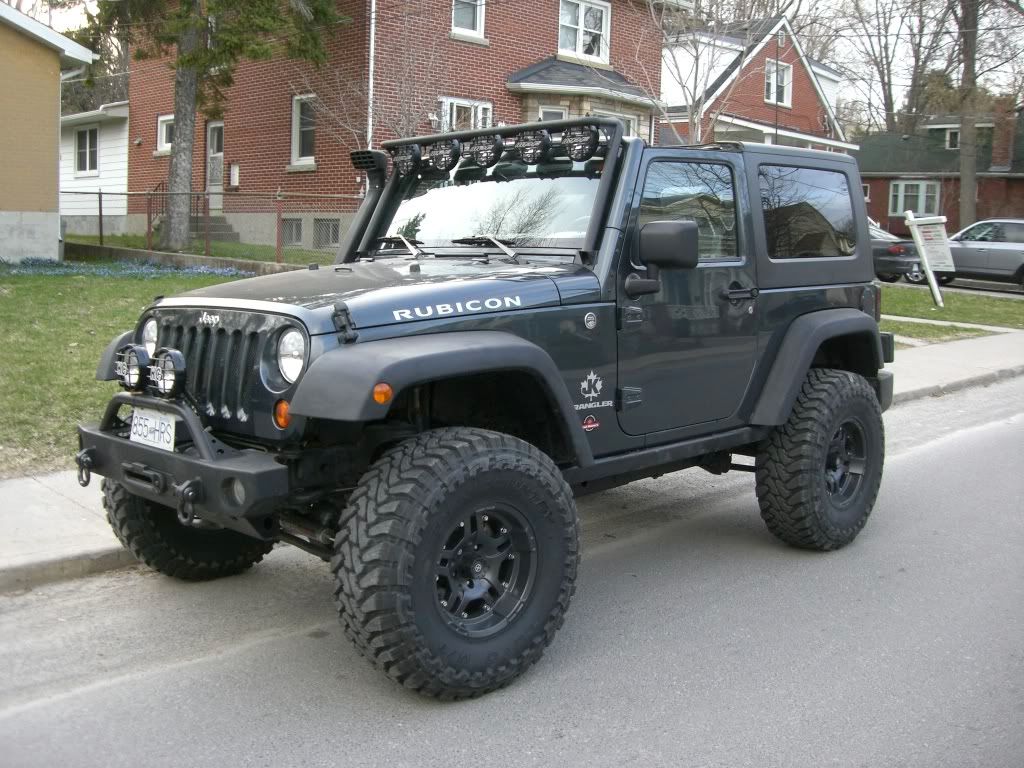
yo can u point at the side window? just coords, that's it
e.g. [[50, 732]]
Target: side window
[[982, 233], [699, 192], [1014, 232], [807, 213]]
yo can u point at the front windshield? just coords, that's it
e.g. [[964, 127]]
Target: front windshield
[[542, 206]]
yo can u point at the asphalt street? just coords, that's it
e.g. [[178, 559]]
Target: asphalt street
[[695, 639]]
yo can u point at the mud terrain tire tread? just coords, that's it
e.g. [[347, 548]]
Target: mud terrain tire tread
[[377, 542], [157, 539], [789, 463]]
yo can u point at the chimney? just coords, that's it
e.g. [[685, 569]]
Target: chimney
[[1003, 134]]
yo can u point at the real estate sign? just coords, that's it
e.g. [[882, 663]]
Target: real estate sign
[[929, 235]]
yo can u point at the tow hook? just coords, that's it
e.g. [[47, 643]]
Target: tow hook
[[189, 494], [85, 459]]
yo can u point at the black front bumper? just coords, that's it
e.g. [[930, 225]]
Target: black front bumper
[[202, 482]]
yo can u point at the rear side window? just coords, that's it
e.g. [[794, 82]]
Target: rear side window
[[700, 192], [1014, 232], [808, 213]]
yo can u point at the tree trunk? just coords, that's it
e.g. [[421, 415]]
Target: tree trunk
[[176, 233], [968, 116]]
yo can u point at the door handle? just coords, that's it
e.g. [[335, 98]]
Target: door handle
[[738, 294]]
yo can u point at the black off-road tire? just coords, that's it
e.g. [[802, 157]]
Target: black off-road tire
[[797, 488], [396, 525], [153, 534]]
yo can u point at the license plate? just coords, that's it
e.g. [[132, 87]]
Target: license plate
[[152, 428]]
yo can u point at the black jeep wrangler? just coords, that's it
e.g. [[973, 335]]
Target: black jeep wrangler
[[518, 314]]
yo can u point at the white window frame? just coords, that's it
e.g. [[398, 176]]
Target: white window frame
[[92, 171], [898, 197], [481, 6], [161, 121], [866, 189], [563, 111], [606, 32], [771, 73], [298, 159], [448, 104], [295, 224], [949, 134], [632, 121]]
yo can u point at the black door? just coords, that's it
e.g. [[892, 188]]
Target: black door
[[686, 353]]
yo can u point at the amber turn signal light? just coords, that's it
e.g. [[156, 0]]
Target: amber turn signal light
[[282, 416], [382, 393]]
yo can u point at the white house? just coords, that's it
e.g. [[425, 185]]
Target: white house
[[94, 158]]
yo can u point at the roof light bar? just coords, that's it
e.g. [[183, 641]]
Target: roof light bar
[[533, 146]]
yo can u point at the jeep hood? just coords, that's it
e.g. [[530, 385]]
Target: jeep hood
[[391, 291]]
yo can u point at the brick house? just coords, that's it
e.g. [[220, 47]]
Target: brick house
[[751, 81], [921, 171], [394, 68]]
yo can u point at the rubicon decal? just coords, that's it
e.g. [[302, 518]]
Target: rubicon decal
[[590, 388], [492, 304]]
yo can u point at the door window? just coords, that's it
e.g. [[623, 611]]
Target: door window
[[216, 139], [808, 213], [700, 192]]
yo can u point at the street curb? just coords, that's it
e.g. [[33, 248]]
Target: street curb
[[938, 390], [112, 558], [73, 566]]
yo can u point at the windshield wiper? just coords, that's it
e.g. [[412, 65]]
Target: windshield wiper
[[410, 245], [487, 240]]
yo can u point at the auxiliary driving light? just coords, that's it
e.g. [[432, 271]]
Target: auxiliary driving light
[[486, 150], [444, 155], [167, 373], [533, 146], [407, 158], [580, 142], [131, 366]]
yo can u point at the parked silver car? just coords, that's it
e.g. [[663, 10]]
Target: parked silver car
[[990, 250]]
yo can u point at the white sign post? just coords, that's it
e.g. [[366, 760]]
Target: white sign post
[[929, 235]]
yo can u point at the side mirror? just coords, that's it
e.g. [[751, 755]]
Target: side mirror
[[663, 245], [669, 245]]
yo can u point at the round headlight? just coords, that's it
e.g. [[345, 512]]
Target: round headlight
[[149, 334], [291, 352]]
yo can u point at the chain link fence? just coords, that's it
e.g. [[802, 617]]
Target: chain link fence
[[265, 226]]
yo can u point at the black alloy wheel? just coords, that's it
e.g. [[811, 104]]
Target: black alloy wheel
[[845, 462], [485, 570]]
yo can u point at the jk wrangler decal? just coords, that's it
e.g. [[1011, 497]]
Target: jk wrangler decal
[[492, 304]]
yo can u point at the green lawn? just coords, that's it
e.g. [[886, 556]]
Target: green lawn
[[933, 334], [960, 307], [54, 327], [219, 249]]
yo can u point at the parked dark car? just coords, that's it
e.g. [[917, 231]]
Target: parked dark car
[[893, 256]]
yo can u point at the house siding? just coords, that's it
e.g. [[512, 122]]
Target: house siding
[[29, 110], [112, 178]]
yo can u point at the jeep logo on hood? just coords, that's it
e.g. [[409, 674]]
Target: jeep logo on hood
[[492, 304]]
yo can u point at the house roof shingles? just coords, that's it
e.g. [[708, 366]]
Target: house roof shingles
[[556, 72], [896, 154]]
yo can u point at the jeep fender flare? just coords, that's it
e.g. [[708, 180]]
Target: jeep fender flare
[[804, 337], [105, 367], [339, 384]]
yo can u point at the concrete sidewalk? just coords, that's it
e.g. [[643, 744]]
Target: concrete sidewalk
[[56, 529]]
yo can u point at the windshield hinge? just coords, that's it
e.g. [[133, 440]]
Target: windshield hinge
[[343, 323]]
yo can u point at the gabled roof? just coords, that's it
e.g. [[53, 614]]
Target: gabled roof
[[554, 75], [71, 53], [748, 38], [952, 120]]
